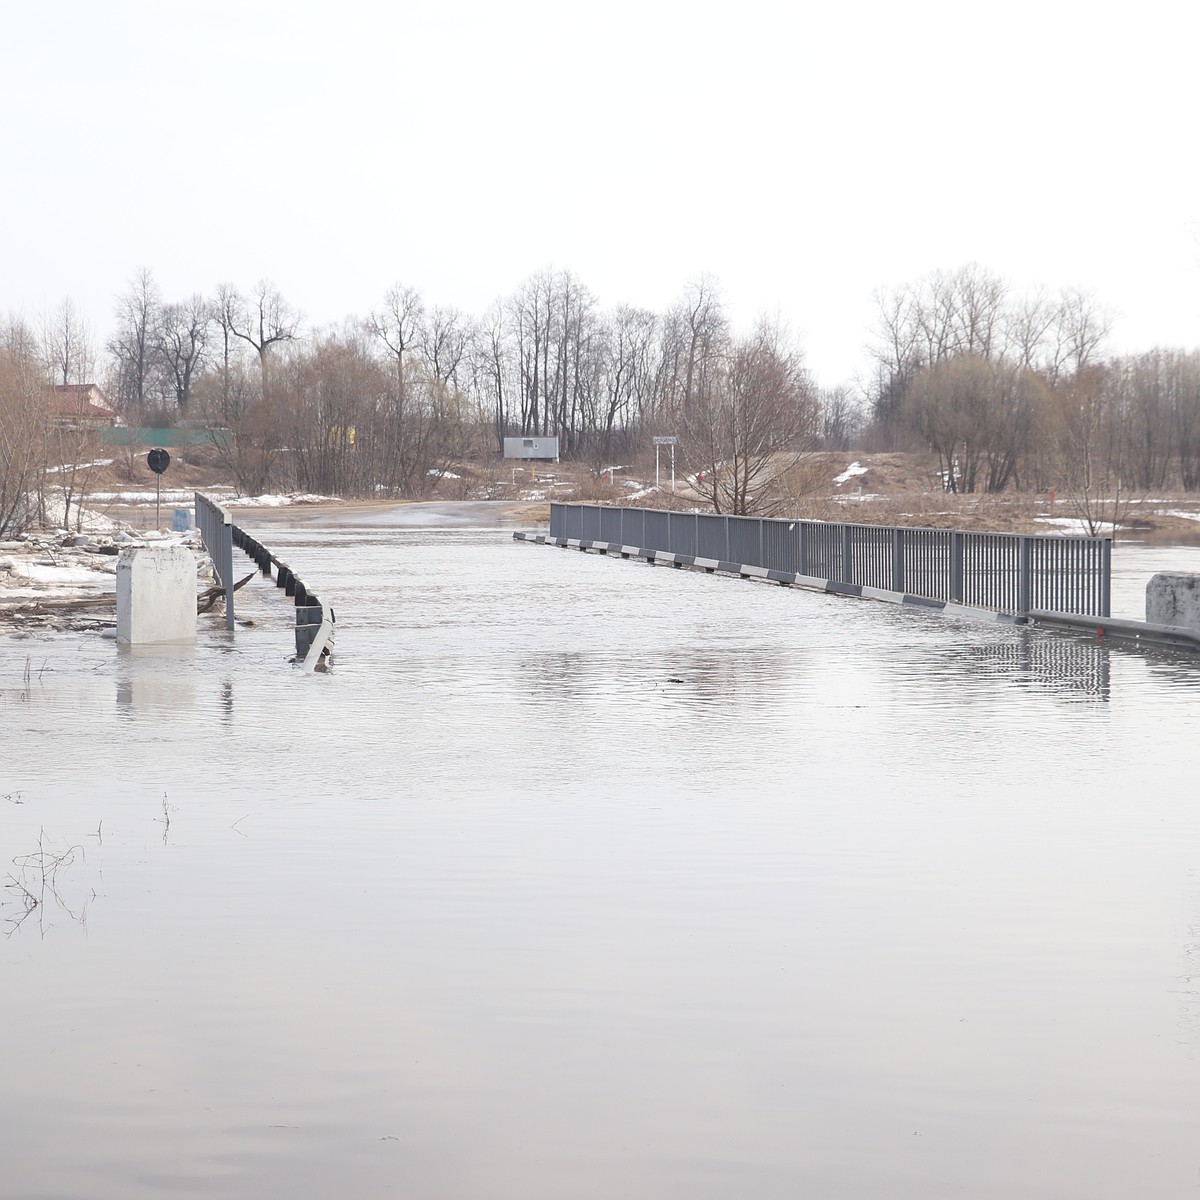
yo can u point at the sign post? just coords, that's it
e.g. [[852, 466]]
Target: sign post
[[665, 441], [158, 460]]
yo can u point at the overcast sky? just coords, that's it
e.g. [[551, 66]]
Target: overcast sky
[[805, 155]]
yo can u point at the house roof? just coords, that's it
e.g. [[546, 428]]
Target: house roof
[[79, 400]]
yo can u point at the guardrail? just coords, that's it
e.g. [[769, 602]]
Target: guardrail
[[315, 621], [216, 529], [1007, 572], [1120, 627]]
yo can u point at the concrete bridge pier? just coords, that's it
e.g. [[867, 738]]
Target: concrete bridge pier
[[156, 595], [1173, 598]]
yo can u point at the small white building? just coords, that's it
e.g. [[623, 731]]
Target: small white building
[[531, 447]]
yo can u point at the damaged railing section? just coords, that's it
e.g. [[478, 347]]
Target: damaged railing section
[[1005, 572], [315, 622]]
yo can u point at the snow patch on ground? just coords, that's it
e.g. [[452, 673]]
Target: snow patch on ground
[[1177, 512], [442, 474], [173, 496], [84, 519], [100, 462], [855, 468], [1074, 525], [42, 576], [34, 573], [178, 498], [270, 501]]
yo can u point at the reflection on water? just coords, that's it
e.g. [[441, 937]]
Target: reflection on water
[[155, 678], [581, 878], [1065, 666]]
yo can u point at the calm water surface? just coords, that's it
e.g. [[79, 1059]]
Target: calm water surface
[[582, 878]]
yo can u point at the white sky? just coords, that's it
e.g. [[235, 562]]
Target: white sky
[[804, 154]]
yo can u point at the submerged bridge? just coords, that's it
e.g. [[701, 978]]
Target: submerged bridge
[[1004, 572]]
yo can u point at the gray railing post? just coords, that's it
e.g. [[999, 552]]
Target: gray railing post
[[897, 560], [728, 554], [1025, 575], [1106, 578], [216, 531], [762, 549], [847, 556], [956, 566], [802, 565]]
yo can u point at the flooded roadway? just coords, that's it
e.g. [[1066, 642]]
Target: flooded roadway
[[583, 878]]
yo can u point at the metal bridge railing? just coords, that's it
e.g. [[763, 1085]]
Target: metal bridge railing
[[1007, 572], [216, 528], [314, 620]]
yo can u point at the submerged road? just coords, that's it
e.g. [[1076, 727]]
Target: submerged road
[[419, 514]]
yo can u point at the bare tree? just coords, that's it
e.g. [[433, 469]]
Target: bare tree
[[1183, 375], [333, 388], [132, 345], [1140, 394], [897, 355], [22, 426], [1029, 324], [841, 418], [181, 339], [67, 346], [701, 337], [1081, 323], [755, 418], [530, 314], [627, 378], [1084, 433], [398, 323], [262, 320], [978, 415], [444, 339]]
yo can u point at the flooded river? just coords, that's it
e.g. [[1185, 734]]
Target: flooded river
[[580, 878]]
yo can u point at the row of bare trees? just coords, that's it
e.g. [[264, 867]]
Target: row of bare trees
[[1013, 390], [386, 404], [1006, 389]]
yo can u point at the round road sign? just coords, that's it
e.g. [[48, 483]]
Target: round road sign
[[158, 460]]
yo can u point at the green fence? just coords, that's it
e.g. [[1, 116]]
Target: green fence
[[127, 435]]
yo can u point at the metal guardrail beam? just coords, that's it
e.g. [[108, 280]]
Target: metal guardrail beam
[[1142, 631]]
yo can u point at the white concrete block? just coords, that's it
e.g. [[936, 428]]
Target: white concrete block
[[156, 595], [1173, 598]]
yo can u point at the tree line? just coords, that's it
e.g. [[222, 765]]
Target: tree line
[[1008, 390], [386, 403], [1012, 390]]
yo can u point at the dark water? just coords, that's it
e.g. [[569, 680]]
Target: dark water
[[582, 878]]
